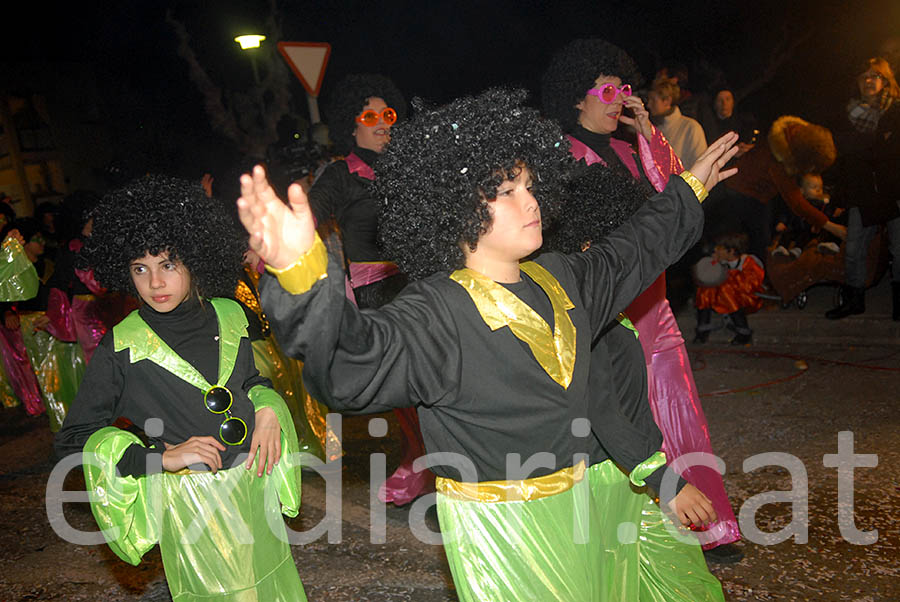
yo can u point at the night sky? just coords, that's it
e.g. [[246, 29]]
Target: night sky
[[439, 50]]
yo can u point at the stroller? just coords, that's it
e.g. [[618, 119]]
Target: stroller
[[792, 278]]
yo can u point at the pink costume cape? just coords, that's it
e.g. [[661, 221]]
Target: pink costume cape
[[404, 485], [674, 399], [19, 371], [86, 321]]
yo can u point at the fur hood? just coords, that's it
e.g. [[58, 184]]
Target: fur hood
[[801, 147]]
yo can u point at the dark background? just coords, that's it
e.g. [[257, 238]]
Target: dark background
[[154, 114]]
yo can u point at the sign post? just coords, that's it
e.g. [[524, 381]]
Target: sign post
[[308, 60]]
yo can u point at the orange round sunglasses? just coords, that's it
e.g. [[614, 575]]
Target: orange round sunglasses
[[370, 118]]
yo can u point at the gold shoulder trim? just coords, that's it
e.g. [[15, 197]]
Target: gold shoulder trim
[[555, 351]]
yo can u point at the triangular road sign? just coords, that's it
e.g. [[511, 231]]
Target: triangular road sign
[[307, 60]]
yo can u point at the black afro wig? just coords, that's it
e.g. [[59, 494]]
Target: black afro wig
[[608, 196], [158, 214], [434, 176], [347, 102], [573, 71]]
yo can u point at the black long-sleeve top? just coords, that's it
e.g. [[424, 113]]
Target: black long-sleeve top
[[64, 277], [479, 393], [347, 198], [627, 432], [114, 387]]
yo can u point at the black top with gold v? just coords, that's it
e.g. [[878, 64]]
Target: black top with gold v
[[480, 392]]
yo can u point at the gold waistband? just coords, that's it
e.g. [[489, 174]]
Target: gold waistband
[[380, 262], [85, 297], [525, 490], [187, 471]]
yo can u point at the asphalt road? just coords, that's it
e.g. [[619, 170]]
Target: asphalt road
[[771, 397]]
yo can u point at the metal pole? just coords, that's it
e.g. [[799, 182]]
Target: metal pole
[[313, 104]]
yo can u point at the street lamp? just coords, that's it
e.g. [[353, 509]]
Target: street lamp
[[249, 41]]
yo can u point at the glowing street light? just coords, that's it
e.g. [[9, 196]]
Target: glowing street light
[[249, 41]]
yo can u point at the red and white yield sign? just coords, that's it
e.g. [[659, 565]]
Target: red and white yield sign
[[307, 60]]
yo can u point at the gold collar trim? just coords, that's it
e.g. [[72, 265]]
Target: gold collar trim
[[499, 307]]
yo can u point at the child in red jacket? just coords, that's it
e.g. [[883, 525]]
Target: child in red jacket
[[737, 295]]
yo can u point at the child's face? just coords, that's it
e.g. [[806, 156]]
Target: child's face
[[720, 253], [515, 231], [812, 187], [162, 284]]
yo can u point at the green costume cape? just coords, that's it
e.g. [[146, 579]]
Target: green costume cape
[[220, 535], [18, 278], [599, 540]]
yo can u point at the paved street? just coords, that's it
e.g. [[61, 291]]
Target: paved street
[[775, 396]]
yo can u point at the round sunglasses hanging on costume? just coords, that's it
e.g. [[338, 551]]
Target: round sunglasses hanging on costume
[[218, 400]]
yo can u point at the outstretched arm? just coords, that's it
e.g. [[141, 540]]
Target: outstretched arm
[[354, 361], [619, 267]]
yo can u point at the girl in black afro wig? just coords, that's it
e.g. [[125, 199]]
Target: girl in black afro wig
[[348, 99], [440, 168], [182, 368], [158, 214]]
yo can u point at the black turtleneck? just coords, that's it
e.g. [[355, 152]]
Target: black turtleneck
[[113, 386], [600, 144], [347, 199], [367, 155]]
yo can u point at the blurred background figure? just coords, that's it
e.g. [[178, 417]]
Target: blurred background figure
[[683, 133], [868, 180]]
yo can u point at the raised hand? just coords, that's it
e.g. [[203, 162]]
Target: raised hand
[[641, 119], [206, 182], [14, 233], [266, 440], [279, 233], [195, 450], [708, 167]]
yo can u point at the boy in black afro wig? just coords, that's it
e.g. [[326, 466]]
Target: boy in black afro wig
[[348, 99], [573, 71], [492, 351], [440, 168], [159, 214]]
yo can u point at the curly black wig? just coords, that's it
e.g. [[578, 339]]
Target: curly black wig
[[440, 167], [573, 71], [158, 214], [598, 200], [348, 99]]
